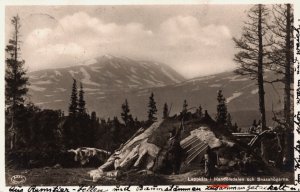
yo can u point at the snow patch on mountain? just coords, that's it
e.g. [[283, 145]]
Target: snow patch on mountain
[[201, 78], [132, 86], [255, 91], [215, 85], [73, 73], [37, 88], [109, 74], [132, 79], [96, 68], [234, 96], [57, 73], [43, 76], [46, 82], [155, 80], [42, 103], [151, 83], [108, 56], [236, 78], [119, 81], [242, 79], [91, 93], [33, 77], [90, 89], [87, 78], [115, 65], [90, 62], [169, 75], [61, 89], [133, 70]]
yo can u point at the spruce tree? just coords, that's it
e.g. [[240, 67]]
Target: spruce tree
[[221, 116], [73, 108], [199, 111], [235, 127], [16, 81], [184, 107], [166, 111], [229, 122], [152, 110], [125, 114], [81, 101]]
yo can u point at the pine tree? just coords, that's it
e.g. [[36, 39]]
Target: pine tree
[[221, 117], [16, 81], [152, 110], [94, 116], [229, 122], [81, 101], [199, 111], [236, 128], [166, 111], [184, 108], [73, 108], [126, 116]]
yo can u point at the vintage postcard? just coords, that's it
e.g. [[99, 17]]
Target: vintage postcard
[[150, 96]]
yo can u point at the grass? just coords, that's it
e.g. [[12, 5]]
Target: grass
[[76, 176], [79, 176]]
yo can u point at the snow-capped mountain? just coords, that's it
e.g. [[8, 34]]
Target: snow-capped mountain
[[101, 76], [109, 80]]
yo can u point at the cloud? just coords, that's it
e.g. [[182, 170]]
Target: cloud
[[180, 41], [61, 49], [38, 36], [186, 30]]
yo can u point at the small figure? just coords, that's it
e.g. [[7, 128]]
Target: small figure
[[259, 128], [174, 152], [248, 164], [210, 160], [252, 129]]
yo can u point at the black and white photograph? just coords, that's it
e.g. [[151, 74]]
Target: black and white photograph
[[150, 94]]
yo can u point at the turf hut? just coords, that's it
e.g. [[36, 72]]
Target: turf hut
[[147, 149]]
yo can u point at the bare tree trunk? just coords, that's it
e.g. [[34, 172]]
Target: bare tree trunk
[[287, 87], [260, 81]]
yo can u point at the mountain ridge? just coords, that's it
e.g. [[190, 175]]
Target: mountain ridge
[[108, 81]]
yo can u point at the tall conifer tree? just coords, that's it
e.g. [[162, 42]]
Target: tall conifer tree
[[16, 81], [73, 108], [221, 117], [166, 111], [125, 114], [152, 110], [81, 101]]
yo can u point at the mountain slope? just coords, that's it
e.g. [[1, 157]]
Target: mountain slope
[[101, 76], [108, 81]]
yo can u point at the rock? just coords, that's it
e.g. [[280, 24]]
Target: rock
[[96, 174], [57, 166]]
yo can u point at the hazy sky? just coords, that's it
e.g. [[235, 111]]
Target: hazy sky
[[193, 39]]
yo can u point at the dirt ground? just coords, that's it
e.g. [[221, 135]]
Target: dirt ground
[[79, 176]]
